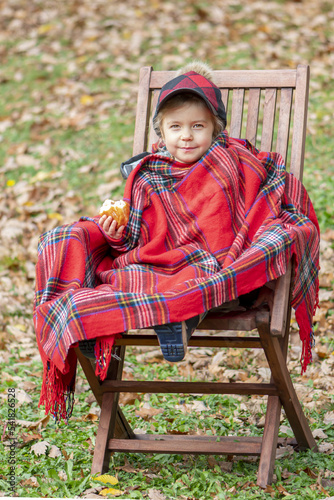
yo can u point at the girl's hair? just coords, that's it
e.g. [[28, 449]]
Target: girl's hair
[[179, 100]]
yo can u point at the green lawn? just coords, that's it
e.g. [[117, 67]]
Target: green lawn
[[68, 84]]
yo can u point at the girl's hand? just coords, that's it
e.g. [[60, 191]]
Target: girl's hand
[[108, 225]]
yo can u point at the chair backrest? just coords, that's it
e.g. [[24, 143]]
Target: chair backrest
[[267, 107]]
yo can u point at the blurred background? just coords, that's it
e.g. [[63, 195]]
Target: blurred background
[[68, 84]]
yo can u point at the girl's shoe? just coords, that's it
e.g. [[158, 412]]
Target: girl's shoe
[[174, 337], [87, 348]]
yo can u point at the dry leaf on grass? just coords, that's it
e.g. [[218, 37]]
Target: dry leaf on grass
[[283, 491], [26, 438], [329, 418], [106, 479], [127, 467], [22, 397], [319, 434], [34, 425], [32, 481], [111, 491], [148, 413], [54, 452], [154, 494], [284, 451], [40, 448]]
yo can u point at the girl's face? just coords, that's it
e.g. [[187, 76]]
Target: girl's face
[[187, 131]]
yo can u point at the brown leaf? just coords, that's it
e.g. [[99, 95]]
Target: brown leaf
[[26, 438], [32, 481], [283, 491], [127, 467], [148, 413], [34, 425], [269, 489], [129, 398]]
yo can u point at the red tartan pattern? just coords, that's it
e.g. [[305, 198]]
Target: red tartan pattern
[[197, 237]]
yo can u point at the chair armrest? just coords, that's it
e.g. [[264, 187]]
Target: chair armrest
[[281, 304]]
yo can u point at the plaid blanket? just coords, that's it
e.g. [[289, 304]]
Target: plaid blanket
[[197, 237]]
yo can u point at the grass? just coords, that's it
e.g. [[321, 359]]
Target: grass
[[176, 476]]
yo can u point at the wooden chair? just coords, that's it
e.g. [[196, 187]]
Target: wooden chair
[[268, 98]]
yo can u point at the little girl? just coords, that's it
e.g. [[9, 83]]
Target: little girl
[[190, 114]]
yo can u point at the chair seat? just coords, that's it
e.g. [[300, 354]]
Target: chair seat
[[215, 320]]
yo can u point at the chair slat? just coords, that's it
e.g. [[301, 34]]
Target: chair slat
[[183, 446], [172, 387], [232, 79], [269, 107], [224, 93], [284, 122], [299, 121], [253, 115], [237, 112], [152, 135], [143, 111]]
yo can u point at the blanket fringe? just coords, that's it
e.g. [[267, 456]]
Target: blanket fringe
[[103, 354], [57, 396], [306, 336]]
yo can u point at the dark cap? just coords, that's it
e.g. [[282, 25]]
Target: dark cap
[[197, 84]]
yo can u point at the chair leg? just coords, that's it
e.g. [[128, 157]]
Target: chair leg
[[269, 442], [110, 416], [282, 379], [105, 431], [112, 421], [122, 428], [272, 423]]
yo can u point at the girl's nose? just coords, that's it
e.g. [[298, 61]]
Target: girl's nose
[[186, 135]]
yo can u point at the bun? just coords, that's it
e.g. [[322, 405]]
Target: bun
[[118, 210]]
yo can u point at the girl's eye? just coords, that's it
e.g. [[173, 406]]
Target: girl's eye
[[198, 125]]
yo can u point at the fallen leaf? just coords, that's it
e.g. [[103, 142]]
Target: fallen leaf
[[148, 413], [269, 489], [40, 448], [54, 452], [26, 438], [283, 491], [110, 491], [106, 479], [154, 494], [34, 425], [284, 451], [310, 473], [28, 385], [22, 397], [326, 448], [127, 467], [128, 398], [329, 418], [32, 481], [86, 100], [319, 434]]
